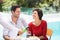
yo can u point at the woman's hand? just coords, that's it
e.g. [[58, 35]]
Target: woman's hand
[[12, 39], [41, 37]]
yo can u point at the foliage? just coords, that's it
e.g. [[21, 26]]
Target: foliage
[[5, 6]]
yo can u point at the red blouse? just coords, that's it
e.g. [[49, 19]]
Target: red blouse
[[38, 30]]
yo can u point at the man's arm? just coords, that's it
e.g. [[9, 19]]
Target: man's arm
[[6, 37], [7, 25]]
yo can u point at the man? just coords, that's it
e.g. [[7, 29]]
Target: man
[[16, 21], [5, 24]]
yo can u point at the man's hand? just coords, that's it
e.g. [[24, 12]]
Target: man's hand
[[20, 32], [6, 37]]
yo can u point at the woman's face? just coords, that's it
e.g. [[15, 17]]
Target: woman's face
[[35, 15]]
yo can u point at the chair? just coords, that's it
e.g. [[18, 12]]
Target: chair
[[49, 33]]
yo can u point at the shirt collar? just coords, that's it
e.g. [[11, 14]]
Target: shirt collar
[[12, 21]]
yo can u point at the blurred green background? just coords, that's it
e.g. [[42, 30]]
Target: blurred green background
[[28, 5]]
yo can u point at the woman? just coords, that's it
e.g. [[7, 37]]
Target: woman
[[38, 27]]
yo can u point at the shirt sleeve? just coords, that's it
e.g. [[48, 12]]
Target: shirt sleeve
[[24, 22], [5, 32], [1, 32], [45, 29], [30, 29]]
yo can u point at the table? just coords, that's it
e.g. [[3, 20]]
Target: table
[[30, 38]]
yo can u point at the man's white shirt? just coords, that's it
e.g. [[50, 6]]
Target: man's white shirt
[[20, 25], [10, 28]]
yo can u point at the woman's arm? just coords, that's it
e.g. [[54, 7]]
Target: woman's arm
[[44, 31]]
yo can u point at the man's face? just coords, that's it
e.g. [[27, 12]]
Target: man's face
[[16, 13]]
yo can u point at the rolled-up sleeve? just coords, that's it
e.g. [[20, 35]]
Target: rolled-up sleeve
[[5, 32]]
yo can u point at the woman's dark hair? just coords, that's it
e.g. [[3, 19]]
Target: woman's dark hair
[[40, 13], [13, 8]]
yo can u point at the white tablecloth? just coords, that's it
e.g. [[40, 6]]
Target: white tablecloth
[[30, 38]]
